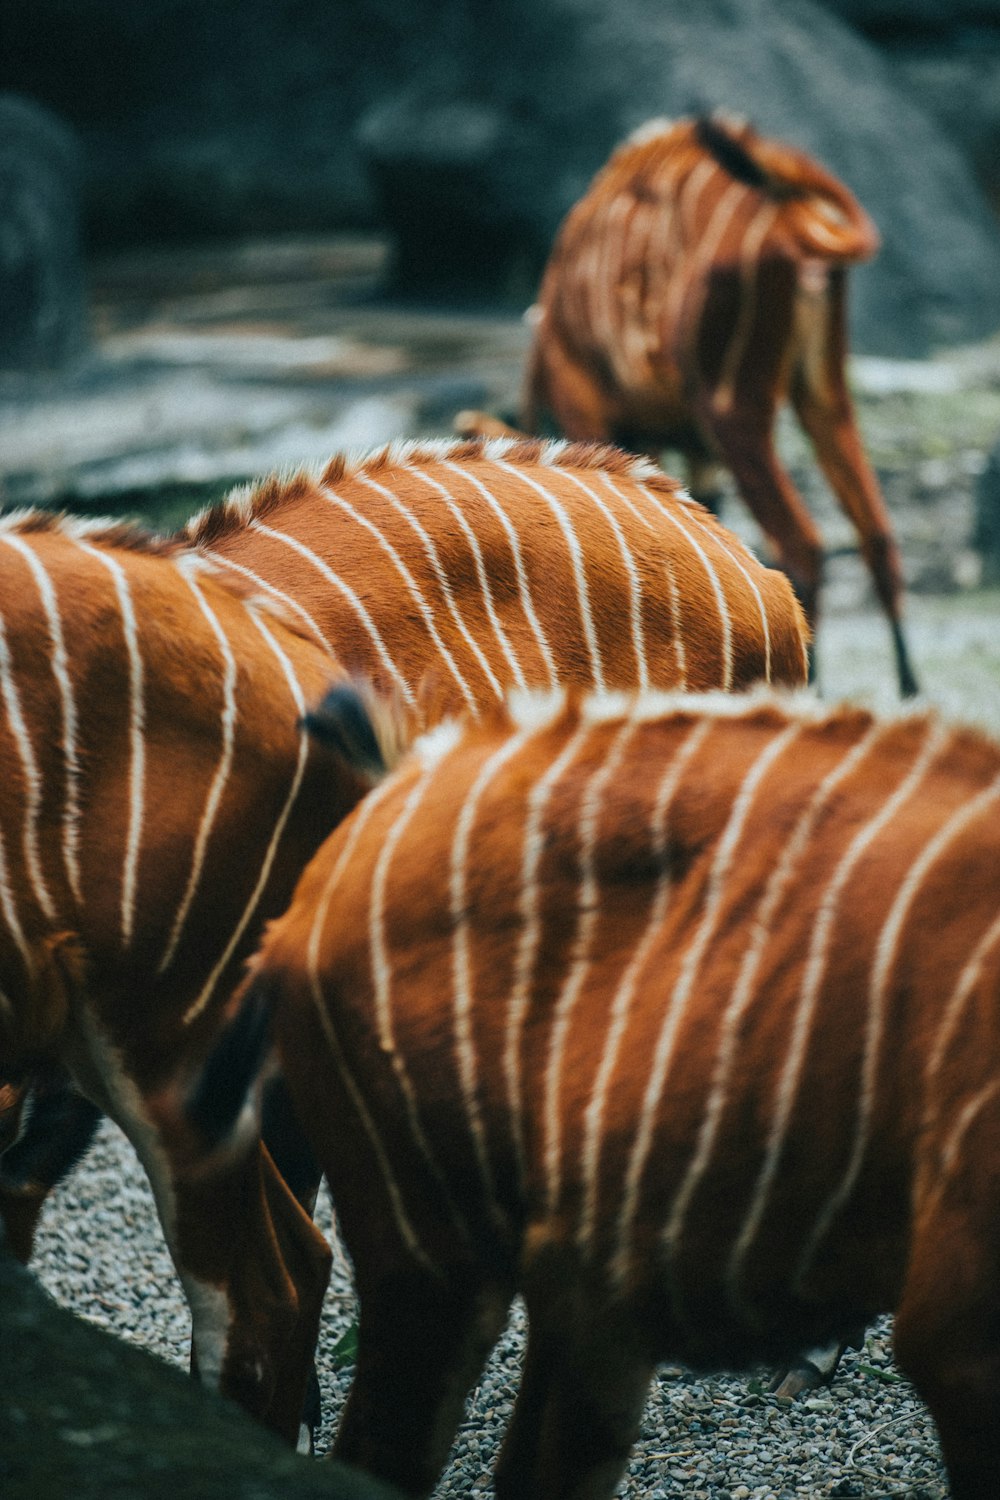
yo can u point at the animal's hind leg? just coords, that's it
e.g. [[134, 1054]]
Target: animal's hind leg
[[822, 400], [578, 1409], [422, 1341]]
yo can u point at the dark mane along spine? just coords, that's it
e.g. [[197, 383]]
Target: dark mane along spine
[[717, 138]]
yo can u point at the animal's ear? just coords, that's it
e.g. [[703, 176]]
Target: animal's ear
[[369, 731]]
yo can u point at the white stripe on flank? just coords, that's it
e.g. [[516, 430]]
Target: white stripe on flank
[[765, 627], [587, 911], [744, 991], [32, 777], [195, 1009], [956, 1139], [815, 968], [444, 583], [590, 1161], [753, 239], [630, 505], [634, 581], [344, 588], [357, 826], [523, 585], [577, 561], [222, 770], [137, 716], [382, 972], [60, 670], [885, 955], [482, 575], [285, 600], [687, 213], [952, 1013], [704, 251], [464, 997], [713, 578], [530, 933], [416, 594], [663, 1054]]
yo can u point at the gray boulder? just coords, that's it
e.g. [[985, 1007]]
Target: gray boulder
[[42, 303], [87, 1416]]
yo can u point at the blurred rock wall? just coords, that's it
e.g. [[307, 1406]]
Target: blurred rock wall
[[470, 130]]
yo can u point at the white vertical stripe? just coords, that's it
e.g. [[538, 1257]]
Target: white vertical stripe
[[761, 929], [577, 562], [523, 584], [356, 827], [725, 621], [137, 743], [482, 574], [621, 1004], [352, 598], [753, 239], [765, 627], [195, 1009], [632, 574], [957, 1002], [222, 770], [530, 933], [60, 670], [382, 973], [791, 1071], [463, 993], [885, 956], [32, 777], [284, 600], [8, 905], [663, 1053], [416, 593], [444, 583], [587, 912]]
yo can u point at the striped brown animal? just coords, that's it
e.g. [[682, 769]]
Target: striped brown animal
[[487, 566], [448, 574], [683, 1020], [698, 284], [158, 799]]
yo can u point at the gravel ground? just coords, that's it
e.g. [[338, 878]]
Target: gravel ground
[[100, 1252]]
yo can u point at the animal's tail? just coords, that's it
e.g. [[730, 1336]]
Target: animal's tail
[[822, 215]]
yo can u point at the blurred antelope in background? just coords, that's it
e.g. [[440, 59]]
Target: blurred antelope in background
[[697, 285], [159, 797], [679, 1017]]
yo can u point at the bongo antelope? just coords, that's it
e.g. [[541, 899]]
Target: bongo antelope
[[159, 797], [698, 284], [449, 573], [681, 1017]]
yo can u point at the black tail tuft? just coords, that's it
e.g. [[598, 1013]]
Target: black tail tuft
[[225, 1085], [343, 722]]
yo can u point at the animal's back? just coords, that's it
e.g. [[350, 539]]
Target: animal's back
[[481, 567]]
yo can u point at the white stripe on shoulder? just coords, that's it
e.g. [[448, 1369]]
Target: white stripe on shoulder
[[198, 1005], [137, 730], [60, 670], [222, 771], [463, 989], [725, 621]]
